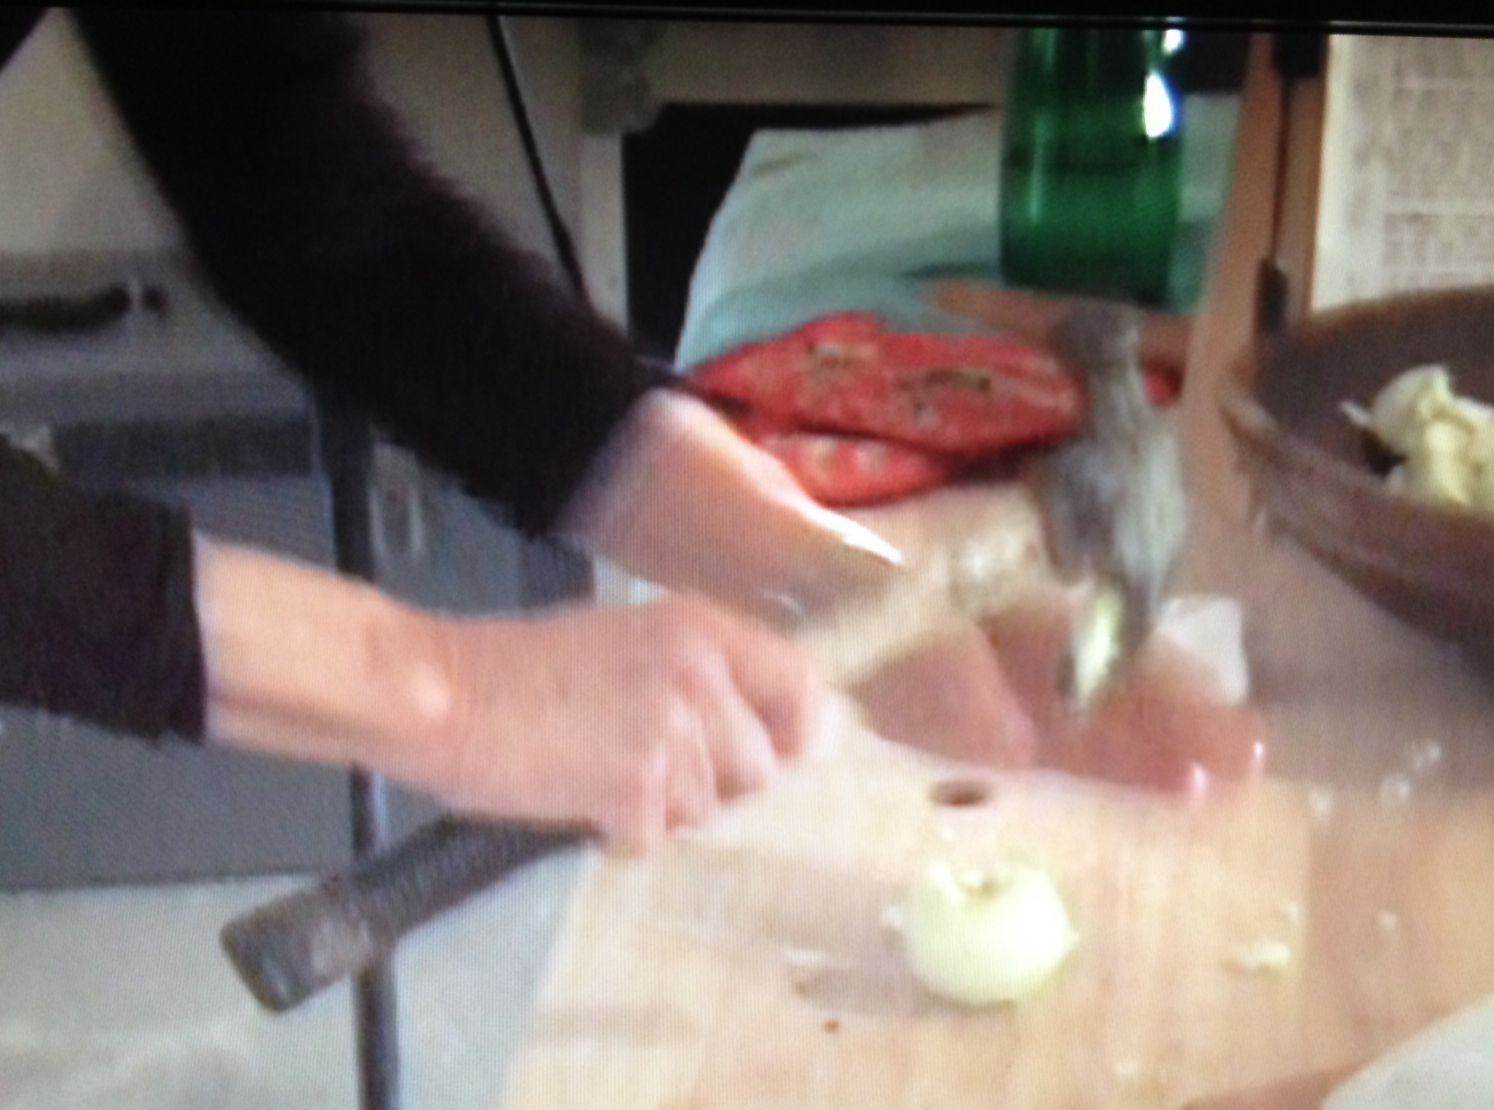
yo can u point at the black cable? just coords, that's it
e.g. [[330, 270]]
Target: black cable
[[564, 249]]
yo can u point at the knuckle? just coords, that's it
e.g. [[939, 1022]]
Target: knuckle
[[693, 670], [646, 772], [679, 722]]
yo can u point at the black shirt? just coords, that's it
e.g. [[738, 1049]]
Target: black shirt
[[362, 269]]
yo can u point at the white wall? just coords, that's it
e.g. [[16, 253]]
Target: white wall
[[441, 73], [69, 180]]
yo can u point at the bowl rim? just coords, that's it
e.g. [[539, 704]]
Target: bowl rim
[[1249, 420]]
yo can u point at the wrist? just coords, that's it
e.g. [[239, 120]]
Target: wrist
[[303, 663], [597, 516]]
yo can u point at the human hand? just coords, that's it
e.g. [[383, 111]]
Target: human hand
[[987, 695], [634, 720], [631, 720], [1172, 723], [683, 500]]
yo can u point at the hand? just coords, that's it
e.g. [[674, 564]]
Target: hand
[[1171, 724], [987, 695], [682, 500], [632, 719]]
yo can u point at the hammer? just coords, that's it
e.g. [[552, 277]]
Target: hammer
[[1113, 509], [1114, 499]]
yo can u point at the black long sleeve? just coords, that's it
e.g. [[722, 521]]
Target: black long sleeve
[[97, 619], [97, 616], [362, 269], [365, 272]]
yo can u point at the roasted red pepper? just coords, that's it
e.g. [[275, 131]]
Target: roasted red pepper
[[961, 395], [1162, 385], [860, 414], [841, 471]]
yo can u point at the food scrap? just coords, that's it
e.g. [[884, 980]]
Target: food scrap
[[985, 937], [1263, 957], [1097, 643], [1444, 441]]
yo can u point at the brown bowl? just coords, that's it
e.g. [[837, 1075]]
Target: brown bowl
[[1431, 567]]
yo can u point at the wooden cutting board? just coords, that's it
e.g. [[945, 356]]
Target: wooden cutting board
[[751, 967]]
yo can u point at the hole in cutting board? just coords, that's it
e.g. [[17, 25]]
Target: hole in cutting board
[[961, 793]]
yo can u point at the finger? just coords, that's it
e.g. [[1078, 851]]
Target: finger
[[690, 789], [740, 746], [1008, 310], [637, 813], [1165, 336], [952, 697], [778, 681]]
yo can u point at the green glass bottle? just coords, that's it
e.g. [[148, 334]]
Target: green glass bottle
[[1091, 165]]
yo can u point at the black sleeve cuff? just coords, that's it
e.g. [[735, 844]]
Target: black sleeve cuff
[[97, 611]]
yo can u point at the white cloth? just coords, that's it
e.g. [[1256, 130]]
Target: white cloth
[[842, 219], [864, 219]]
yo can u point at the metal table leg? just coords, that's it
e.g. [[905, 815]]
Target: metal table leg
[[346, 441]]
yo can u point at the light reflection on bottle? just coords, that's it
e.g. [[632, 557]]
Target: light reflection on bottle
[[1158, 113], [1091, 168]]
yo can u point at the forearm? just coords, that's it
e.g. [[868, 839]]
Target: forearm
[[306, 664], [680, 498], [364, 271]]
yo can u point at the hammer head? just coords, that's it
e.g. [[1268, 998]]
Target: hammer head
[[1113, 498]]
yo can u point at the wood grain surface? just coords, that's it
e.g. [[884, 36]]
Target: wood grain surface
[[750, 967]]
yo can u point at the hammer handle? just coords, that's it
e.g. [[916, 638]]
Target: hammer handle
[[290, 949]]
